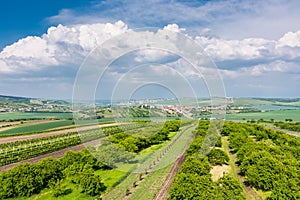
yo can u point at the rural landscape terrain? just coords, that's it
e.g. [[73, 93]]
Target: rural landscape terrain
[[150, 149], [150, 100]]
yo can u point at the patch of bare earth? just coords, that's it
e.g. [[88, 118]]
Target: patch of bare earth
[[218, 171]]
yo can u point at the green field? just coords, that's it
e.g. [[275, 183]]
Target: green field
[[33, 115], [35, 128], [276, 114]]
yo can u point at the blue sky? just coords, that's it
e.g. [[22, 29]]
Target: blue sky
[[255, 44], [23, 18]]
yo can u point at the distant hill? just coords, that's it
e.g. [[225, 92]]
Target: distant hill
[[13, 103]]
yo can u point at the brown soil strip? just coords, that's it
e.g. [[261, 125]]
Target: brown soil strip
[[164, 191], [56, 154]]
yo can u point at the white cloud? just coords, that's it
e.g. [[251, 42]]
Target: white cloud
[[65, 47], [278, 66], [291, 39], [286, 47], [231, 19], [174, 27], [60, 46]]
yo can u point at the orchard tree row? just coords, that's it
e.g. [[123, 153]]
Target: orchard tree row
[[21, 150], [269, 160], [194, 179], [27, 179], [135, 144]]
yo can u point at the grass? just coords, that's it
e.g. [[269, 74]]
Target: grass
[[111, 177], [279, 115], [233, 168], [47, 194], [148, 188], [36, 128]]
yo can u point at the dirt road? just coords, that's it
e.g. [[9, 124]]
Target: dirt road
[[164, 191]]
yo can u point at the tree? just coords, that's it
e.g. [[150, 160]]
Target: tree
[[230, 188], [217, 157], [92, 184]]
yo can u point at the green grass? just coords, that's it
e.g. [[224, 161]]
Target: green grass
[[276, 114], [111, 177], [47, 194], [148, 188], [33, 115], [35, 128]]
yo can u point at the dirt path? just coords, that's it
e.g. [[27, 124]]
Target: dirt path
[[164, 191], [250, 193], [56, 154], [33, 136]]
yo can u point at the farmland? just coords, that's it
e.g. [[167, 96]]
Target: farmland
[[279, 115], [13, 116], [147, 158], [154, 157], [36, 128]]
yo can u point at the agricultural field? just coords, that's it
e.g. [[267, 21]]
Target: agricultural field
[[14, 116], [103, 178], [279, 115], [144, 159], [36, 128], [146, 167]]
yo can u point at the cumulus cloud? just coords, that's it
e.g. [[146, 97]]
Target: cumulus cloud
[[60, 46], [287, 47], [277, 66], [67, 46], [61, 50]]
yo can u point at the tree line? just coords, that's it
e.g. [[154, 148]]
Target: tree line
[[27, 179]]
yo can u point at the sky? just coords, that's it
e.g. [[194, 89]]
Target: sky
[[255, 46]]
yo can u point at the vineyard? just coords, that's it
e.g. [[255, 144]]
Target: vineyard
[[21, 150]]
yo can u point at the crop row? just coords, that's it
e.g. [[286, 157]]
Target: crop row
[[21, 150]]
